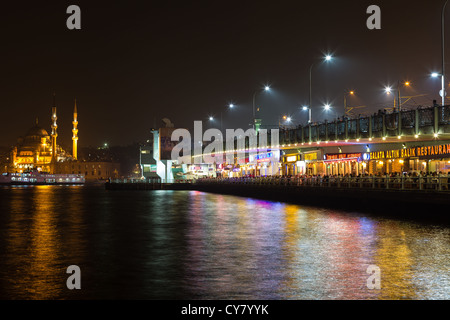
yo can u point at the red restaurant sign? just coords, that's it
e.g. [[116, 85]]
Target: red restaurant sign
[[341, 156]]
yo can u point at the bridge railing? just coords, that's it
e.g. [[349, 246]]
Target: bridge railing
[[426, 183]]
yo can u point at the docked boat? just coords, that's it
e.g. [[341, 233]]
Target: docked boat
[[40, 178]]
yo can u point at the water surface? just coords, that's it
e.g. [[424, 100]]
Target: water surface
[[195, 245]]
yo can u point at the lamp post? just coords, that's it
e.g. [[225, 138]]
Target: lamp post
[[345, 100], [327, 107], [266, 88], [285, 118], [399, 102], [305, 108], [211, 118], [443, 54], [326, 58]]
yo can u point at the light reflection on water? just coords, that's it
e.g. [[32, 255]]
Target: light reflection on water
[[194, 245]]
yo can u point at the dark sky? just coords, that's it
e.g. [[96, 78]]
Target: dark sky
[[134, 63]]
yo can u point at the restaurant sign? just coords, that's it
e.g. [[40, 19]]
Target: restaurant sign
[[261, 157], [291, 158], [342, 156], [310, 156], [424, 152]]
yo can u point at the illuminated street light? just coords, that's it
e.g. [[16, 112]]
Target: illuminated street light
[[350, 93], [326, 58], [267, 89], [388, 90], [327, 107], [285, 119]]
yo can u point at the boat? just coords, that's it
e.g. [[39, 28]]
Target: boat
[[40, 178]]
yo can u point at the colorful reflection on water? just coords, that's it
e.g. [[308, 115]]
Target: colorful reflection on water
[[194, 245]]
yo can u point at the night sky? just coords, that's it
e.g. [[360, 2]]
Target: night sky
[[134, 63]]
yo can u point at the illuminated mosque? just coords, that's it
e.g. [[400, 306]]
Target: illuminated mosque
[[39, 150]]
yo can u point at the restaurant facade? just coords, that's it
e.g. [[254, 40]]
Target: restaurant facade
[[372, 158]]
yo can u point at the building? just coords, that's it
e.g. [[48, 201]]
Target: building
[[36, 150], [92, 170], [39, 150]]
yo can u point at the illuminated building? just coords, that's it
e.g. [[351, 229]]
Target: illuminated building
[[35, 151], [39, 150]]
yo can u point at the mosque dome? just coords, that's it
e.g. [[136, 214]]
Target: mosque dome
[[34, 135], [37, 131]]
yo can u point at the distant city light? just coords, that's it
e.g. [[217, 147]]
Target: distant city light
[[388, 90], [327, 107], [211, 118], [267, 88], [328, 57], [435, 74], [231, 106]]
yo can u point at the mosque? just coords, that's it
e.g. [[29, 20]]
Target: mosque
[[39, 150]]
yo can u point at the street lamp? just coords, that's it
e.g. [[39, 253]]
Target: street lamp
[[442, 92], [345, 100], [327, 107], [285, 118], [211, 118], [389, 91], [443, 53], [266, 89], [306, 108], [326, 58]]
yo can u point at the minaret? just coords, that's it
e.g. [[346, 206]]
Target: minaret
[[75, 132], [54, 133]]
